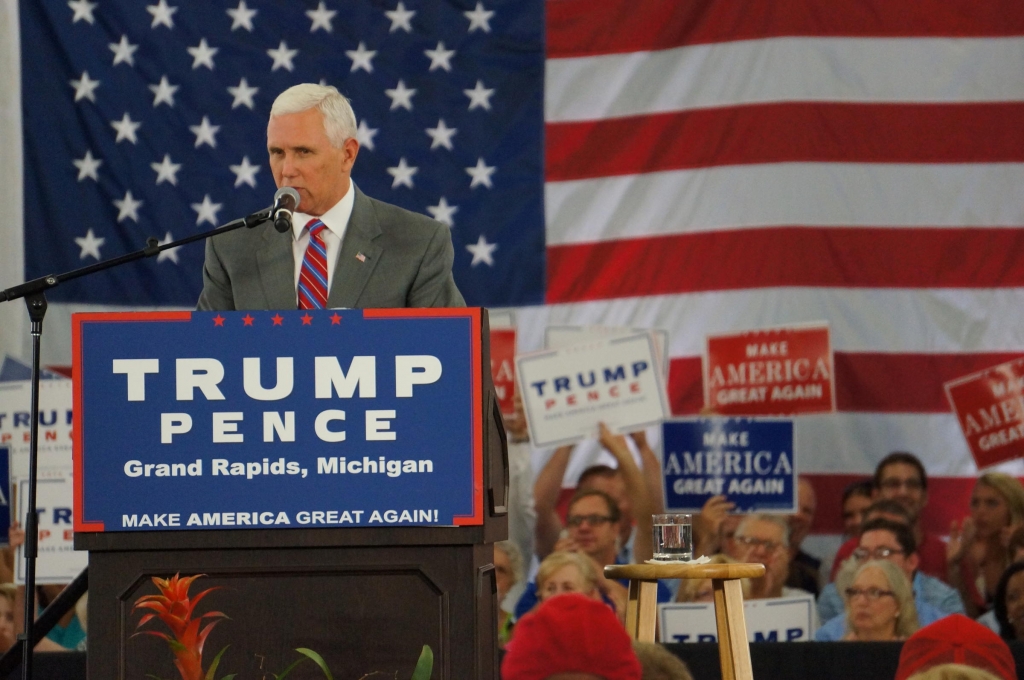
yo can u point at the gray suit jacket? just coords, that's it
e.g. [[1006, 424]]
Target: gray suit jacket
[[407, 263]]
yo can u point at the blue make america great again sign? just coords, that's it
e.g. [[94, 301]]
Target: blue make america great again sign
[[287, 419]]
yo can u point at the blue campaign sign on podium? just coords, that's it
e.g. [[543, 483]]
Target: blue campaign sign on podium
[[286, 419], [749, 460]]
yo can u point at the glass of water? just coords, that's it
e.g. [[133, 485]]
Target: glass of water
[[673, 536]]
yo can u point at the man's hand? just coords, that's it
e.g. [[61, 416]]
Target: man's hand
[[708, 522], [614, 443], [16, 535]]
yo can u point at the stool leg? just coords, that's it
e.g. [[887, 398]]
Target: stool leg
[[632, 609], [733, 646], [647, 611]]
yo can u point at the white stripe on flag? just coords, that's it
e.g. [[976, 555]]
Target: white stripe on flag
[[785, 69]]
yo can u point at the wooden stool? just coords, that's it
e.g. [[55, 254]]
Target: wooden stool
[[642, 609]]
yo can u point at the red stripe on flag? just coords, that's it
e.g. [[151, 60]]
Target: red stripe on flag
[[971, 257], [865, 381], [578, 28], [787, 132]]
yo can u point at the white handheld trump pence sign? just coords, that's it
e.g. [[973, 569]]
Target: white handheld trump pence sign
[[568, 391]]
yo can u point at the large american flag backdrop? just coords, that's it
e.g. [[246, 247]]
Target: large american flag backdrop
[[702, 166]]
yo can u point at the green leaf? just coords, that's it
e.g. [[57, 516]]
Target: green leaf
[[425, 666], [176, 646], [155, 677], [229, 677], [318, 660], [212, 673]]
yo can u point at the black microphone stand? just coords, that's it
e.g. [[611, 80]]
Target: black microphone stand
[[34, 293]]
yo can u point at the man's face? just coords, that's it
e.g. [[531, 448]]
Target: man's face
[[902, 483], [760, 542], [503, 575], [301, 156], [591, 528], [853, 513], [800, 522], [882, 545], [614, 486]]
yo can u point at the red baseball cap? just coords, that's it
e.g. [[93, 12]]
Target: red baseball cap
[[956, 639], [570, 633]]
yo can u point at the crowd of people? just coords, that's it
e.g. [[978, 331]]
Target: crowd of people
[[890, 580]]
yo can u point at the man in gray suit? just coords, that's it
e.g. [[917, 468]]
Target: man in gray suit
[[377, 254]]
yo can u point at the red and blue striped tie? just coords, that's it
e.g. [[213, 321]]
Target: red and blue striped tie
[[313, 275]]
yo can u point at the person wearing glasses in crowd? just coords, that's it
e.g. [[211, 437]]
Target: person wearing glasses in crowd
[[856, 501], [593, 522], [882, 540], [977, 552], [879, 604], [883, 508], [764, 539]]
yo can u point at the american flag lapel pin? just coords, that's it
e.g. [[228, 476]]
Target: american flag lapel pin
[[361, 257]]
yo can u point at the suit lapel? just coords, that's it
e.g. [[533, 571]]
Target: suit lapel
[[277, 268], [358, 256]]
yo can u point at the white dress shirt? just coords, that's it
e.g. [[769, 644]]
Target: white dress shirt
[[336, 221]]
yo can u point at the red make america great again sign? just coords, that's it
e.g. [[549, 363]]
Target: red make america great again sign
[[990, 408], [776, 371]]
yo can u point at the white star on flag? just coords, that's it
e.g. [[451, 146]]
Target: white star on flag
[[243, 94], [87, 166], [365, 134], [282, 57], [123, 51], [163, 92], [169, 254], [361, 58], [440, 57], [162, 14], [403, 174], [85, 87], [479, 18], [83, 11], [202, 55], [241, 16], [479, 96], [205, 132], [126, 128], [401, 18], [441, 135], [128, 207], [166, 170], [321, 18], [482, 252], [207, 211], [442, 212], [400, 96], [90, 245], [245, 173], [481, 174]]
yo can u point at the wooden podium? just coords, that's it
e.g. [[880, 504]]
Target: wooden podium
[[365, 599]]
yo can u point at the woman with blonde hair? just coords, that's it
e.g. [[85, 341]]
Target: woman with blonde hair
[[976, 554], [566, 572], [879, 604]]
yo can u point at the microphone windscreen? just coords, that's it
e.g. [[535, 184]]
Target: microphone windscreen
[[287, 197]]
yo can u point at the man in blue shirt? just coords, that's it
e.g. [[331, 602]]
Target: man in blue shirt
[[883, 539]]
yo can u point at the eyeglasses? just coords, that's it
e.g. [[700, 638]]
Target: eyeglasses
[[894, 484], [872, 594], [592, 520], [750, 542], [862, 554]]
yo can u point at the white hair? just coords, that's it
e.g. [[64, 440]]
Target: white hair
[[766, 517], [339, 118]]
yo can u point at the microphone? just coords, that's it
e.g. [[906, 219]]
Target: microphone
[[286, 200]]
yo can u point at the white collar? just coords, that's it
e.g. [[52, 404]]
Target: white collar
[[335, 219]]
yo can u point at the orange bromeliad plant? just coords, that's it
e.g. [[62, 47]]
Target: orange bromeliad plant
[[174, 607]]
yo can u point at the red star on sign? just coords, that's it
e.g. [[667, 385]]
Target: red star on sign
[[307, 320], [247, 320], [277, 319], [336, 319], [218, 321]]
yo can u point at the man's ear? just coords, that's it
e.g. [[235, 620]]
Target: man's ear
[[913, 561]]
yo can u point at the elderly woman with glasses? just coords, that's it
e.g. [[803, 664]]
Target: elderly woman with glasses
[[879, 603]]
